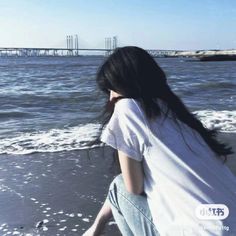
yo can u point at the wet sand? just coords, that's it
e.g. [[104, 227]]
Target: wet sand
[[59, 193], [54, 193]]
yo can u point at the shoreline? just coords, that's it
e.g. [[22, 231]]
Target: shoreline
[[60, 193], [200, 53], [172, 53]]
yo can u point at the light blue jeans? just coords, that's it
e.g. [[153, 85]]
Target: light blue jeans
[[130, 211]]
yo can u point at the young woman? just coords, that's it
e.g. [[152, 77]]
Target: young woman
[[170, 163]]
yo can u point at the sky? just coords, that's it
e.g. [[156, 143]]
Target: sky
[[151, 24]]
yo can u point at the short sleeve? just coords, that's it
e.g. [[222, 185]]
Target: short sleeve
[[126, 130]]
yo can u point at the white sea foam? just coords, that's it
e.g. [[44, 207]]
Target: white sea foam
[[225, 120], [54, 140], [75, 138]]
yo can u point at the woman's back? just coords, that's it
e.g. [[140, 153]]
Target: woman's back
[[181, 171], [174, 156]]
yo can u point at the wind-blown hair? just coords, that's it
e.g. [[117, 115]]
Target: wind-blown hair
[[132, 72]]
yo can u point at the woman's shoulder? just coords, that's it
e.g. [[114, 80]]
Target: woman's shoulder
[[128, 106], [125, 102]]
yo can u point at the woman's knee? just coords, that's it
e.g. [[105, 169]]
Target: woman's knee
[[117, 182], [113, 191]]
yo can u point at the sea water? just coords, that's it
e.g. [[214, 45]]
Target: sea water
[[50, 104]]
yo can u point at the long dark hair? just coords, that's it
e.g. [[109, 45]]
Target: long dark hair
[[132, 72]]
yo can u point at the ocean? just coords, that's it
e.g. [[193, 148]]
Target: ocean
[[51, 183], [50, 104]]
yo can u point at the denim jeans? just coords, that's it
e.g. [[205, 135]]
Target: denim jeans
[[130, 211]]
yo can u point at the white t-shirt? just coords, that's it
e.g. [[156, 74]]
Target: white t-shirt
[[176, 179]]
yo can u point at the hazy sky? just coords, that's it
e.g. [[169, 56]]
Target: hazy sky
[[157, 24]]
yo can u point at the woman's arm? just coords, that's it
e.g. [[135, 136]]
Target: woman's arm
[[132, 172], [102, 218]]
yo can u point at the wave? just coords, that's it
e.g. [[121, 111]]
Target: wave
[[14, 114], [225, 120], [218, 85], [53, 140], [75, 138]]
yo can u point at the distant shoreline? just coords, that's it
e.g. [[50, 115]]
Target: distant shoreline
[[200, 53], [64, 52]]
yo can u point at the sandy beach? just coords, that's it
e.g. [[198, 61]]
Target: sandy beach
[[54, 193], [59, 193]]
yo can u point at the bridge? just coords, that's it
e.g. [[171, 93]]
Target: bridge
[[27, 52], [35, 52], [163, 53], [72, 49]]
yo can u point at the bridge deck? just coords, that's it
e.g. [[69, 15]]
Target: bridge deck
[[28, 51]]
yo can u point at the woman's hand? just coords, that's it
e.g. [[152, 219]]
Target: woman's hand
[[102, 218], [93, 231]]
